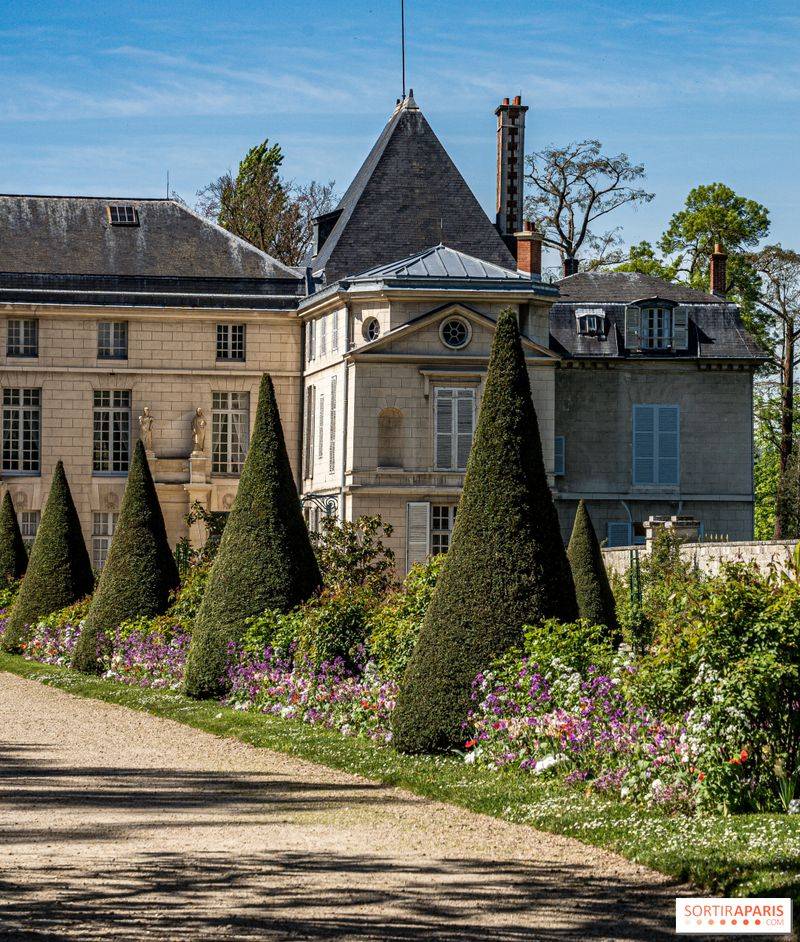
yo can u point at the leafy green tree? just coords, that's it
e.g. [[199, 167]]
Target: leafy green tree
[[642, 258], [259, 206], [59, 570], [506, 567], [352, 554], [140, 572], [592, 589], [265, 559], [13, 555]]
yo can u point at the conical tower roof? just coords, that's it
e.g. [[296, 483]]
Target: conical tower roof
[[407, 196]]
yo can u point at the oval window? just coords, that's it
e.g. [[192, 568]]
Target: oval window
[[372, 329], [455, 333]]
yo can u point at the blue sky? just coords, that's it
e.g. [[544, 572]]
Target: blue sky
[[102, 98]]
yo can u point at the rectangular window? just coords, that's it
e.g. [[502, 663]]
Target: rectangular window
[[310, 397], [112, 340], [332, 427], [23, 338], [112, 431], [559, 455], [321, 428], [123, 216], [443, 518], [230, 342], [309, 343], [103, 526], [230, 430], [656, 327], [28, 525], [22, 422], [656, 444], [454, 411], [618, 533]]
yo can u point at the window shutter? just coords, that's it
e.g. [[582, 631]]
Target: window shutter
[[443, 408], [465, 423], [559, 456], [619, 534], [321, 428], [633, 331], [644, 445], [668, 445], [418, 532], [310, 432], [680, 327], [335, 332], [332, 429], [323, 335]]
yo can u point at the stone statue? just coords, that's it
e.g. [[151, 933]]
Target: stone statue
[[199, 431], [146, 429]]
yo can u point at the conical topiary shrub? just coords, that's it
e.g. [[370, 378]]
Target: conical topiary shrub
[[59, 570], [265, 559], [13, 555], [595, 598], [140, 571], [506, 567]]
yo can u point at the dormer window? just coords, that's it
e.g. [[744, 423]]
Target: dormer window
[[122, 215], [591, 322], [656, 328]]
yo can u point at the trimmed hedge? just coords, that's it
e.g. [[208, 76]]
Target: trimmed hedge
[[265, 559], [140, 571], [59, 570], [13, 555], [507, 566], [592, 589]]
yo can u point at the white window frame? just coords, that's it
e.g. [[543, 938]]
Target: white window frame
[[103, 526], [443, 519], [112, 340], [656, 328], [123, 215], [29, 521], [22, 431], [111, 436], [458, 446], [22, 337], [654, 440], [231, 342], [230, 432]]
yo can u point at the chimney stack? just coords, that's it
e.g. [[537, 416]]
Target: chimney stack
[[718, 271], [570, 266], [529, 251], [510, 168]]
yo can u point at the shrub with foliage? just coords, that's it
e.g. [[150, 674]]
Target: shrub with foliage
[[59, 570], [140, 572], [592, 590], [506, 567], [13, 555], [352, 554], [265, 559]]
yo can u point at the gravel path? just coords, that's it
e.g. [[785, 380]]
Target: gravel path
[[118, 825]]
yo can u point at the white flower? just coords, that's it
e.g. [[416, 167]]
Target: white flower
[[794, 806], [469, 758], [547, 763]]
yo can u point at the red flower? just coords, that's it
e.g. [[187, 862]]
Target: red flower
[[743, 755], [701, 776], [470, 743]]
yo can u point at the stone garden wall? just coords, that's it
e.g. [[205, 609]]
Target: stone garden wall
[[710, 556]]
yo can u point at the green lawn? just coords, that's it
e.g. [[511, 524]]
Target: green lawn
[[749, 855]]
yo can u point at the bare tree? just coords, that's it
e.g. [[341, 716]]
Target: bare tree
[[778, 320], [256, 204], [576, 185]]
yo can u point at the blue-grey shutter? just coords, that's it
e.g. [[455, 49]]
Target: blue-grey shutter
[[443, 418], [418, 532], [559, 455], [619, 534], [465, 423], [668, 444], [633, 328], [644, 444], [680, 327]]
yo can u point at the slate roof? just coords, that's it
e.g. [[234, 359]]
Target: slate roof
[[715, 325], [72, 235], [407, 196]]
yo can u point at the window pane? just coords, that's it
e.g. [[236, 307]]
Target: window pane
[[112, 425], [21, 430], [230, 427]]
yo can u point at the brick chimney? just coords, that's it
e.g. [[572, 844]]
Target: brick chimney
[[718, 271], [510, 168], [570, 266], [529, 250]]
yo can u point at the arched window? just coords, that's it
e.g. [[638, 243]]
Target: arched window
[[390, 438]]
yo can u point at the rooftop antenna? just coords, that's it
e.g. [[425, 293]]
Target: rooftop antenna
[[167, 184], [403, 41]]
